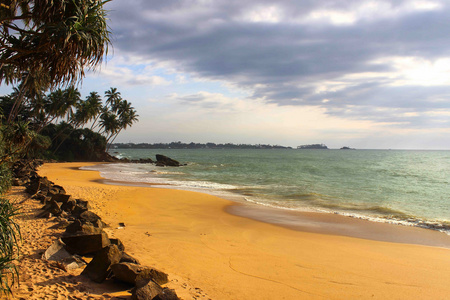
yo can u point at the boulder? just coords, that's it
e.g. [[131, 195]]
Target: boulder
[[88, 216], [99, 267], [129, 272], [80, 207], [52, 207], [128, 258], [152, 291], [86, 243], [33, 187], [61, 198], [78, 228], [69, 205], [163, 161], [66, 261], [56, 251], [55, 190], [118, 243]]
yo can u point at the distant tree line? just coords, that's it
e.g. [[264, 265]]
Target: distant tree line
[[180, 145]]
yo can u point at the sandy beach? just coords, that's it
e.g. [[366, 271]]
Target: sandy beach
[[212, 254]]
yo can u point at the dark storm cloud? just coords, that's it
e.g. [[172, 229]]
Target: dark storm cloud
[[283, 62]]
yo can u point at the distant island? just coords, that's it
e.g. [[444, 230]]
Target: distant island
[[180, 145], [313, 146]]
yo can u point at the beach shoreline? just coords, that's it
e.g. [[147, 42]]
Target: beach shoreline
[[199, 240], [316, 221]]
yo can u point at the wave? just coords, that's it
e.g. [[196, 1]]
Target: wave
[[374, 213]]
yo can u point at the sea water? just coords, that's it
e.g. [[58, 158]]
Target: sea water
[[404, 187]]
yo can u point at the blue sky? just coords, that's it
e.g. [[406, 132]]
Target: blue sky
[[365, 74]]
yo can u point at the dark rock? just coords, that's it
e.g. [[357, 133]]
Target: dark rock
[[86, 243], [88, 216], [151, 290], [162, 161], [39, 196], [53, 207], [148, 273], [69, 205], [62, 198], [128, 272], [73, 227], [128, 258], [99, 267], [33, 187], [79, 228], [78, 210], [118, 243]]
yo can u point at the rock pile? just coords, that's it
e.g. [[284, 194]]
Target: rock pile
[[84, 236]]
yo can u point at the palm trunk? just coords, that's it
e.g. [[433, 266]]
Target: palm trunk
[[109, 146]]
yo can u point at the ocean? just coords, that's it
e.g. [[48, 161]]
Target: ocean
[[395, 186]]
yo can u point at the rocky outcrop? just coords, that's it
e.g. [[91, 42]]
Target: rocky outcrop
[[164, 161]]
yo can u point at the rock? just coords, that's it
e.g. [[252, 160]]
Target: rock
[[99, 267], [52, 207], [151, 290], [80, 207], [61, 198], [162, 161], [89, 216], [119, 244], [69, 205], [78, 228], [148, 273], [129, 272], [128, 258], [66, 261], [33, 187], [54, 189], [86, 243], [73, 262], [56, 251]]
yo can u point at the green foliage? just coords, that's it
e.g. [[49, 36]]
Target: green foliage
[[51, 40], [9, 249]]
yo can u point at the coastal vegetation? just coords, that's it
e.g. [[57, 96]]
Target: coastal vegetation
[[46, 46], [180, 145]]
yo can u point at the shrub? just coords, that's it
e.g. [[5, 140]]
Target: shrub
[[9, 249]]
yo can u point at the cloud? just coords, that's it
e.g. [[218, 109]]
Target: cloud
[[381, 61]]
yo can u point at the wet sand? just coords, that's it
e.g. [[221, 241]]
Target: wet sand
[[210, 253]]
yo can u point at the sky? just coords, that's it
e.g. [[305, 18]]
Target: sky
[[364, 74]]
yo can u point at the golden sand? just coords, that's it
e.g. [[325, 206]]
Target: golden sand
[[210, 254]]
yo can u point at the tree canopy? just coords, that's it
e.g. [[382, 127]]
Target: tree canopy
[[50, 42]]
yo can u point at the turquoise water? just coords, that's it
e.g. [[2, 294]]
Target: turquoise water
[[409, 187]]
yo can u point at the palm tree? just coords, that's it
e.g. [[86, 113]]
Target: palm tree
[[50, 42], [113, 99], [94, 107], [127, 116], [109, 124]]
